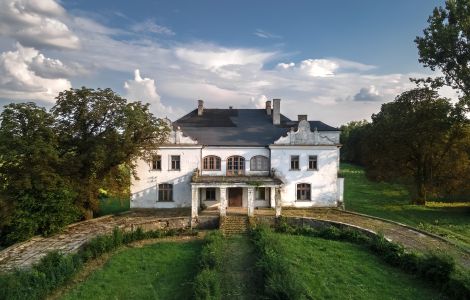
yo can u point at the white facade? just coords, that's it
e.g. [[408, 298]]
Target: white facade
[[278, 185]]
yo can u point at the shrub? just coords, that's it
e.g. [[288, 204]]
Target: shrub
[[207, 284], [279, 277]]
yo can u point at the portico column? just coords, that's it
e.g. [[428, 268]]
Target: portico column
[[272, 197], [277, 197], [194, 203], [223, 201], [251, 201]]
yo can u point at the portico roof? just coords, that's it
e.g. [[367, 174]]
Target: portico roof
[[237, 180]]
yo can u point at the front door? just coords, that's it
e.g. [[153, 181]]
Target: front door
[[235, 197]]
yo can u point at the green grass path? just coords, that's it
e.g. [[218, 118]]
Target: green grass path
[[238, 272]]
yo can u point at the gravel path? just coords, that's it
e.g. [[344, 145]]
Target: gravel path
[[409, 238]]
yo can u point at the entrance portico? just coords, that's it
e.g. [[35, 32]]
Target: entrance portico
[[235, 192]]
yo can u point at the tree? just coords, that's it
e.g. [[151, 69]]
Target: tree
[[98, 131], [352, 139], [33, 196], [446, 45], [413, 139]]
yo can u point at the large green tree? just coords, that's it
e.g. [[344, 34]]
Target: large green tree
[[415, 139], [445, 45], [34, 198], [97, 132], [352, 139]]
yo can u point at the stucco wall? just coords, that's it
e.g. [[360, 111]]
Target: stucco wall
[[144, 191], [322, 181]]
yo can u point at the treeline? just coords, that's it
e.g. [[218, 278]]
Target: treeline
[[420, 139], [54, 163]]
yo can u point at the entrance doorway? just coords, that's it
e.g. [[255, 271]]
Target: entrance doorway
[[235, 197]]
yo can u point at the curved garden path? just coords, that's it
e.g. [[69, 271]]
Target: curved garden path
[[75, 235], [409, 237]]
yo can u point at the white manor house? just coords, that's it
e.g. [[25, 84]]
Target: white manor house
[[241, 158]]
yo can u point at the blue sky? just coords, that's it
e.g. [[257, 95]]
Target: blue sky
[[335, 60]]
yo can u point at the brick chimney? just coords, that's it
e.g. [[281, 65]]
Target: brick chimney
[[302, 117], [276, 111], [268, 108], [200, 107]]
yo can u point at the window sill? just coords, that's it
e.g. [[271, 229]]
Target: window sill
[[211, 170], [294, 169], [303, 200], [312, 169], [154, 170], [165, 201], [174, 170]]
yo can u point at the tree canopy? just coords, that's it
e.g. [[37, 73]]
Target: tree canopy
[[53, 164], [445, 45]]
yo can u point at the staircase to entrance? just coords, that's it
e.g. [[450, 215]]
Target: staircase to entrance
[[234, 224]]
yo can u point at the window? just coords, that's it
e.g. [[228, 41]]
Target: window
[[303, 191], [235, 165], [165, 192], [312, 162], [211, 163], [210, 194], [294, 162], [156, 162], [259, 163], [175, 162], [261, 193]]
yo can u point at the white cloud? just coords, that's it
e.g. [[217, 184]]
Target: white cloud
[[259, 101], [36, 23], [145, 90], [152, 27], [368, 94], [266, 35], [22, 75]]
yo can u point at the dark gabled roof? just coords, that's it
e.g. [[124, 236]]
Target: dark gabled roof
[[238, 127]]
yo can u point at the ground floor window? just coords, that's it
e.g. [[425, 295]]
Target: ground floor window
[[303, 191], [165, 192], [262, 193], [210, 194]]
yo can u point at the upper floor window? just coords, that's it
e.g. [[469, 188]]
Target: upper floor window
[[303, 191], [259, 163], [235, 165], [165, 192], [211, 163], [156, 162], [313, 162], [294, 162], [175, 162]]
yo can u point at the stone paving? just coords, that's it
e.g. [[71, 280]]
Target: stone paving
[[408, 237], [74, 236]]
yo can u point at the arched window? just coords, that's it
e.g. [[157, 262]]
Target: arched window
[[211, 162], [303, 191], [259, 163], [235, 165]]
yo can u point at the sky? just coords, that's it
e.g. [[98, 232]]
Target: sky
[[335, 61]]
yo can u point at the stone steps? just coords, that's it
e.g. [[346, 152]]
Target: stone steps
[[230, 225]]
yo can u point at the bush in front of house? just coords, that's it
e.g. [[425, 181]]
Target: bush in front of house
[[56, 268], [207, 284], [280, 280], [439, 269]]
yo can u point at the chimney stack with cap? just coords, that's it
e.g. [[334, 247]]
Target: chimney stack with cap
[[301, 117], [268, 108], [200, 107], [276, 111]]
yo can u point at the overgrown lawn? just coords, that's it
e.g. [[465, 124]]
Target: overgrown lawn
[[341, 270], [164, 270]]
